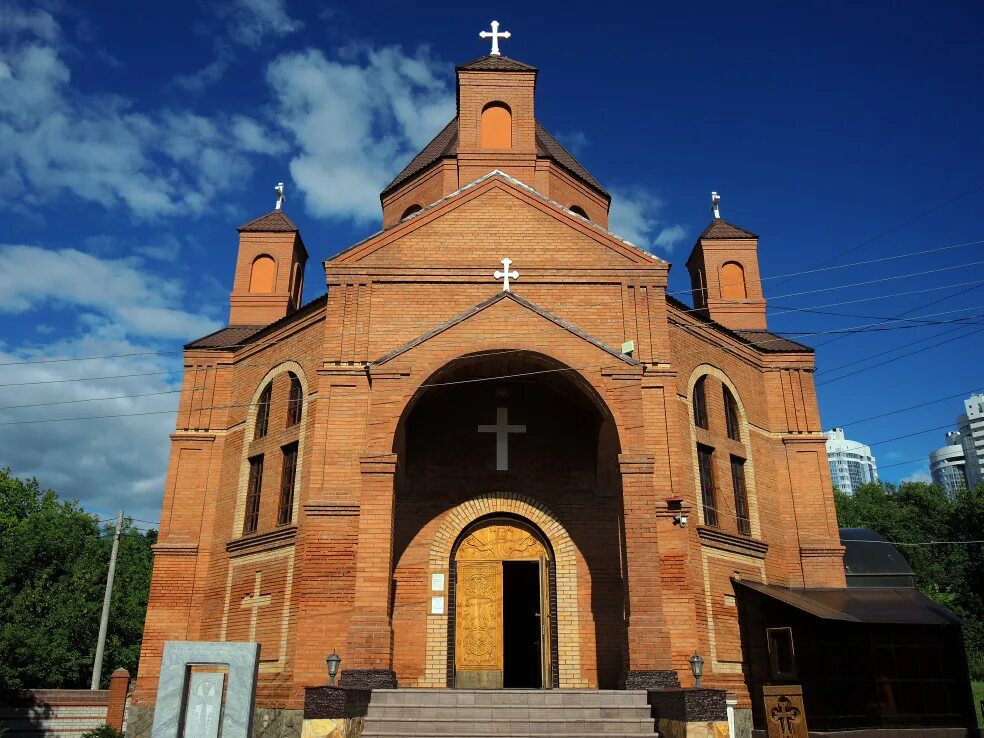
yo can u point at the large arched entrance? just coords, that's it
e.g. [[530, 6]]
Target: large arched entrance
[[533, 441], [500, 613]]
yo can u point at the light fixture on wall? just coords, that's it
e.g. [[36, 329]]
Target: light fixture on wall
[[675, 506], [333, 661], [697, 667]]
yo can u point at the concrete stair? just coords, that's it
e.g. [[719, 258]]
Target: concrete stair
[[505, 713]]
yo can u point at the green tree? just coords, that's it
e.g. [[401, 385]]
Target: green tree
[[949, 573], [53, 562]]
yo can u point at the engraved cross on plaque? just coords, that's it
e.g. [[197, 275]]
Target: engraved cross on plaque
[[502, 429], [785, 713], [254, 602]]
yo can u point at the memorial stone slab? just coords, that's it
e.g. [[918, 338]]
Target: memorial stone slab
[[785, 715], [243, 660], [204, 705]]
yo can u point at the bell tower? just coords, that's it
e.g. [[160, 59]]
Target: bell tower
[[724, 274], [269, 280]]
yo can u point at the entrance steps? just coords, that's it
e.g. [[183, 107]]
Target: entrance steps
[[507, 713]]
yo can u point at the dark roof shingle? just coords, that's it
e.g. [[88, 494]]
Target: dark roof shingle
[[723, 229], [273, 222], [497, 63], [230, 337], [445, 144]]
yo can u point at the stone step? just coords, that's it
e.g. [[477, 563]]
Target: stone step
[[509, 712], [530, 713]]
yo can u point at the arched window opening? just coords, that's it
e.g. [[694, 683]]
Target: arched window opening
[[496, 126], [263, 412], [578, 210], [697, 287], [288, 474], [731, 415], [252, 520], [263, 274], [295, 402], [733, 281], [415, 208], [700, 403]]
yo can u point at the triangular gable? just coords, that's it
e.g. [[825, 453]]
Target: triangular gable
[[496, 180], [499, 297]]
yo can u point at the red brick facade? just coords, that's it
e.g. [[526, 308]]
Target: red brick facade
[[414, 346]]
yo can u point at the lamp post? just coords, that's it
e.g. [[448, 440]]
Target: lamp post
[[333, 661], [697, 667]]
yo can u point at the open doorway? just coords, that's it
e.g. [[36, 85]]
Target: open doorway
[[521, 646]]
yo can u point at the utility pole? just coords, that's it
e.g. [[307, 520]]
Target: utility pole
[[104, 622]]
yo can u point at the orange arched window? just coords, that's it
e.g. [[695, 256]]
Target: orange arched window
[[496, 126], [733, 281], [263, 274]]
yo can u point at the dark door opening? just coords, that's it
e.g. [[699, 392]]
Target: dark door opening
[[521, 647]]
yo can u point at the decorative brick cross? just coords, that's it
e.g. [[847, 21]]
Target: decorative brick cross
[[254, 602], [502, 429], [505, 275], [495, 36]]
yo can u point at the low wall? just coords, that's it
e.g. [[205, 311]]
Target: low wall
[[64, 713]]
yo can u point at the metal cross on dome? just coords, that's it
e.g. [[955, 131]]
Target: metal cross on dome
[[505, 275], [495, 36]]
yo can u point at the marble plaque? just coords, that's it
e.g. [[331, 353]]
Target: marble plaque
[[204, 705], [243, 660], [785, 715]]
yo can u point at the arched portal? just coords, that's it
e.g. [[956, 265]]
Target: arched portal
[[511, 434]]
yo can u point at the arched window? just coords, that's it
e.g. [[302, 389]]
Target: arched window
[[731, 415], [700, 403], [733, 281], [263, 274], [263, 412], [253, 487], [415, 208], [496, 126], [295, 402], [578, 210]]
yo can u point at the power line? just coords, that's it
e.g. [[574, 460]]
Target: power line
[[906, 409], [89, 399]]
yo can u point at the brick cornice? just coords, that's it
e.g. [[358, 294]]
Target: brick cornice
[[175, 549], [378, 463], [332, 508], [636, 463], [725, 541], [821, 552], [268, 541], [810, 438], [192, 436]]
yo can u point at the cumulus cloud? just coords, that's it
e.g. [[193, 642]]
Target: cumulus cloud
[[920, 475], [575, 141], [138, 302], [57, 140], [636, 216], [356, 122]]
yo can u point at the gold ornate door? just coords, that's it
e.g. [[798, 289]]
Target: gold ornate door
[[478, 602]]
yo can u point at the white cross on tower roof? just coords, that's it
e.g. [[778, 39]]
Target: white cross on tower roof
[[495, 36]]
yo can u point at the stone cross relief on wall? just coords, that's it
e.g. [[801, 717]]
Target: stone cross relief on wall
[[502, 429]]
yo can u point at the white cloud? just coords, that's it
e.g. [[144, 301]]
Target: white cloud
[[57, 140], [635, 215], [14, 20], [117, 290], [357, 122], [254, 21], [575, 141], [920, 475]]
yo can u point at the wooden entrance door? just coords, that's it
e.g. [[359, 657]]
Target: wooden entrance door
[[478, 651]]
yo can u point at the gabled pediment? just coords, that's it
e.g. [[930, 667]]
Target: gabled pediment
[[494, 217], [508, 306]]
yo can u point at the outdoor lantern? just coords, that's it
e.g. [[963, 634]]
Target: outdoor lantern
[[333, 661], [697, 667]]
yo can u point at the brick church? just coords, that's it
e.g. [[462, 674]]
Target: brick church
[[497, 453]]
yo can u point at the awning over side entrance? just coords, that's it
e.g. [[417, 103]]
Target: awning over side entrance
[[861, 604]]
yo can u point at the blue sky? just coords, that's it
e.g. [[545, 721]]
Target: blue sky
[[134, 139]]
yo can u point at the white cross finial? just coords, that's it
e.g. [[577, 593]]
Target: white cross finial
[[505, 275], [716, 205], [281, 198], [502, 429], [495, 36]]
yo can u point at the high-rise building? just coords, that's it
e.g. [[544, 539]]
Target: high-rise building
[[971, 425], [947, 464], [851, 462]]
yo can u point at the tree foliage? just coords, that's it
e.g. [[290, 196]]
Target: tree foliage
[[54, 558], [951, 574]]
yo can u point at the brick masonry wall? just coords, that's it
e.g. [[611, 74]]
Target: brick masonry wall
[[385, 459]]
